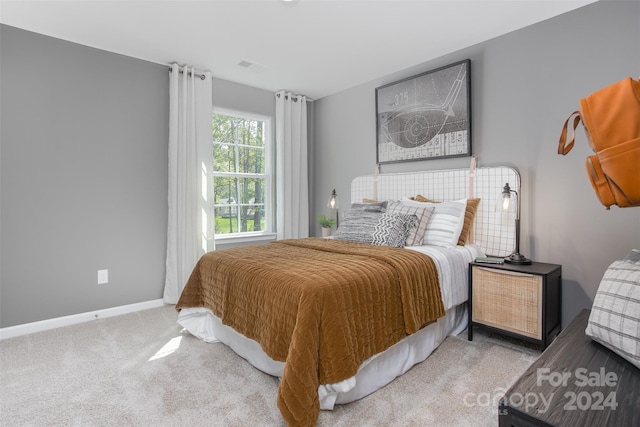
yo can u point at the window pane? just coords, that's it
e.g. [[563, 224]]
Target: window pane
[[224, 129], [225, 190], [250, 132], [226, 207], [226, 220], [251, 160], [224, 158], [252, 219], [252, 190]]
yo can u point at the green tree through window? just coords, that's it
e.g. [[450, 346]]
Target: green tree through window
[[241, 182]]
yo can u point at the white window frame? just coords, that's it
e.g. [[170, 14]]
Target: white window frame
[[269, 191]]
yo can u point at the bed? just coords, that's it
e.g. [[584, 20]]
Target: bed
[[336, 319]]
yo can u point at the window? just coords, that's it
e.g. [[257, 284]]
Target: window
[[241, 175]]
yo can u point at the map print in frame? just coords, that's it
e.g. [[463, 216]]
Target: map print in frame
[[425, 116]]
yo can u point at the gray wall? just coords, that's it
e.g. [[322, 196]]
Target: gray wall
[[83, 175], [237, 97], [84, 178], [524, 85]]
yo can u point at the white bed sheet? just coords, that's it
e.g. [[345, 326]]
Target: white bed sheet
[[377, 371], [453, 270]]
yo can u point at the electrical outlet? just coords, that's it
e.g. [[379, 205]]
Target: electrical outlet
[[103, 277]]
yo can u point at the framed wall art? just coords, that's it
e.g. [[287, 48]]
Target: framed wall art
[[424, 117]]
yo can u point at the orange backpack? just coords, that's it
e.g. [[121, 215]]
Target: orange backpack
[[611, 117]]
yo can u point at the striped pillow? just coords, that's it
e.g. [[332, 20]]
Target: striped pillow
[[446, 222], [470, 214], [422, 213], [614, 320]]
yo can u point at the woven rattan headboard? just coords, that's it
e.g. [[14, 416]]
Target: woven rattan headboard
[[493, 232]]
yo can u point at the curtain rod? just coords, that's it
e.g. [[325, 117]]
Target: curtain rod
[[294, 97], [202, 76]]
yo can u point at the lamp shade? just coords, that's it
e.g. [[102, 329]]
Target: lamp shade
[[333, 200], [509, 202]]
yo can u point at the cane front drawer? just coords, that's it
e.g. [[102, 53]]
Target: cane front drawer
[[508, 300]]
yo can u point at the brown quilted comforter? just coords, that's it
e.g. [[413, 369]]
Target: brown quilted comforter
[[323, 306]]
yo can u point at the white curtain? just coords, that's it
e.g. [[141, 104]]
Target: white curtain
[[190, 163], [291, 166]]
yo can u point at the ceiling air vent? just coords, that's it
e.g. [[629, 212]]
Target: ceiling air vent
[[245, 64], [249, 65]]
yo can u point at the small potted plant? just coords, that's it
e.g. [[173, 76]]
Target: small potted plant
[[326, 224]]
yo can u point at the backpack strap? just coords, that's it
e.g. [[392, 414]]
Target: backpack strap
[[599, 181], [563, 146]]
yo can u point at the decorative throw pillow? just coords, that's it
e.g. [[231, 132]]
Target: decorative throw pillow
[[421, 198], [370, 207], [422, 213], [357, 226], [469, 215], [614, 320], [393, 229], [445, 224]]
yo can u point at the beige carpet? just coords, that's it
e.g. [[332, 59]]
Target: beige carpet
[[141, 369]]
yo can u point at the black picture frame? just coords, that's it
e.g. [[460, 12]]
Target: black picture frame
[[426, 116]]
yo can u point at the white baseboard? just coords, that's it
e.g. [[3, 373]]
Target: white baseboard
[[44, 325]]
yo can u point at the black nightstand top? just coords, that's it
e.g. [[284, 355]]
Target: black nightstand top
[[533, 268]]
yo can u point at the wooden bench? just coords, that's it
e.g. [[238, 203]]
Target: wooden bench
[[574, 382]]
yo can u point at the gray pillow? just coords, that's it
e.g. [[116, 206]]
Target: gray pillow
[[357, 226], [370, 207]]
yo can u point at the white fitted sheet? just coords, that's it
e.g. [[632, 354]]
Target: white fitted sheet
[[377, 371]]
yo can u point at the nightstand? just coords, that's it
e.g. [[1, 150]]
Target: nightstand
[[523, 301]]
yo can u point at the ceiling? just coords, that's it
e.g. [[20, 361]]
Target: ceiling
[[312, 47]]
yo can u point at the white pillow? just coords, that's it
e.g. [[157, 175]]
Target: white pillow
[[446, 222], [614, 320]]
